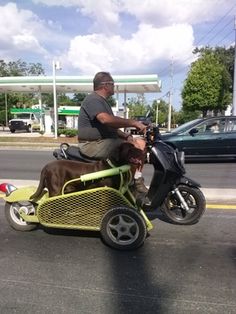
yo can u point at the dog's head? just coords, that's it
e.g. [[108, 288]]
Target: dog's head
[[127, 153]]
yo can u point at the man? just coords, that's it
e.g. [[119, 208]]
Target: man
[[98, 128]]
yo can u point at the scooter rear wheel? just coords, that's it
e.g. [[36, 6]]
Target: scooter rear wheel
[[174, 210], [12, 213], [123, 228]]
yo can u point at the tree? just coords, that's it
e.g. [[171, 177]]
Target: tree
[[78, 98], [137, 107], [207, 85], [112, 102], [62, 99], [184, 116], [3, 68], [225, 55], [163, 108], [18, 68]]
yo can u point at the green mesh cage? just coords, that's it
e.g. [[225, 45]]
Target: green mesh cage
[[80, 210]]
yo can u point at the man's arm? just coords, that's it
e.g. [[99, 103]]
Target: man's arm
[[118, 122], [124, 135]]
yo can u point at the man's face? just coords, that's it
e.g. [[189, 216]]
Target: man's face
[[108, 86]]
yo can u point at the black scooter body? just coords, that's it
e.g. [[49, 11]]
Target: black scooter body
[[168, 172]]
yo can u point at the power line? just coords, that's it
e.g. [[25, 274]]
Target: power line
[[199, 41], [215, 25], [219, 32], [232, 31]]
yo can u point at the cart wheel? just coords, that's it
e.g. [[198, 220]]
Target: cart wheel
[[123, 228], [12, 213]]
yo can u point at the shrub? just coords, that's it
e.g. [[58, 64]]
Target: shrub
[[68, 132]]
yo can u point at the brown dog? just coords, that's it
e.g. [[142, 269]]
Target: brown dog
[[56, 173]]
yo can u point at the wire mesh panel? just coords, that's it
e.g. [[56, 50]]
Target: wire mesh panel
[[80, 210]]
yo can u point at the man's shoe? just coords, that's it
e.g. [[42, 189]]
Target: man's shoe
[[139, 191]]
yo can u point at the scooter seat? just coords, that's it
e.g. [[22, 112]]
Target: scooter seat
[[74, 153]]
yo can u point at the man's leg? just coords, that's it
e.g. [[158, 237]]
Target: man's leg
[[100, 149], [138, 177]]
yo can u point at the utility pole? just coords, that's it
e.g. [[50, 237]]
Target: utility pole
[[234, 88], [6, 109], [55, 66], [157, 111], [170, 96]]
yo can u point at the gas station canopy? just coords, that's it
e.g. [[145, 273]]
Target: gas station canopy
[[79, 84]]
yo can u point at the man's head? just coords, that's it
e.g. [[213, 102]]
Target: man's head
[[104, 82]]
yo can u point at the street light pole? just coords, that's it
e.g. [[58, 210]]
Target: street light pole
[[169, 111], [170, 97], [55, 66], [6, 110], [157, 111], [234, 88], [42, 128]]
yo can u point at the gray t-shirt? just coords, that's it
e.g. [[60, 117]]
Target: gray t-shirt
[[89, 128]]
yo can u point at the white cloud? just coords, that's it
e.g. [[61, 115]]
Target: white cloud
[[148, 47], [19, 30], [105, 13], [176, 11], [163, 31]]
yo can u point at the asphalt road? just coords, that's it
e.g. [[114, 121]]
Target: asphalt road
[[178, 270], [27, 165]]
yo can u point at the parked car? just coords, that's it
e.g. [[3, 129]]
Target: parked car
[[25, 121], [205, 138], [61, 124]]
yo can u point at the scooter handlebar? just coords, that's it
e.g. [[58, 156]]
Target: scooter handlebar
[[152, 134]]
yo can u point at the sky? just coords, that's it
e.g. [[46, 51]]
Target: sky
[[119, 36]]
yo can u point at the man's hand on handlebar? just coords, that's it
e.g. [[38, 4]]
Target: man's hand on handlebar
[[140, 127]]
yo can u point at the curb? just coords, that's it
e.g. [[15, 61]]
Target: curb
[[215, 198]]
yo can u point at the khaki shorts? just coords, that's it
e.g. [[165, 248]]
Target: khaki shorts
[[100, 149]]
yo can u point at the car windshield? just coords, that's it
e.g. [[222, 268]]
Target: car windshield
[[185, 126], [23, 116]]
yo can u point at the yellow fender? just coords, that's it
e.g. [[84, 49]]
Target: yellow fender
[[23, 194]]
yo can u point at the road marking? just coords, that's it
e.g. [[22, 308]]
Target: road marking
[[218, 206]]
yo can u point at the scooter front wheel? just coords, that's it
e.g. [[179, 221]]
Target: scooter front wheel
[[174, 210], [12, 213], [123, 228]]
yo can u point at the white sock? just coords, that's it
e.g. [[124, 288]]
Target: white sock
[[137, 174]]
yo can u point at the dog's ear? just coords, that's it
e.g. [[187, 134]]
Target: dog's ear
[[119, 155], [125, 150]]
